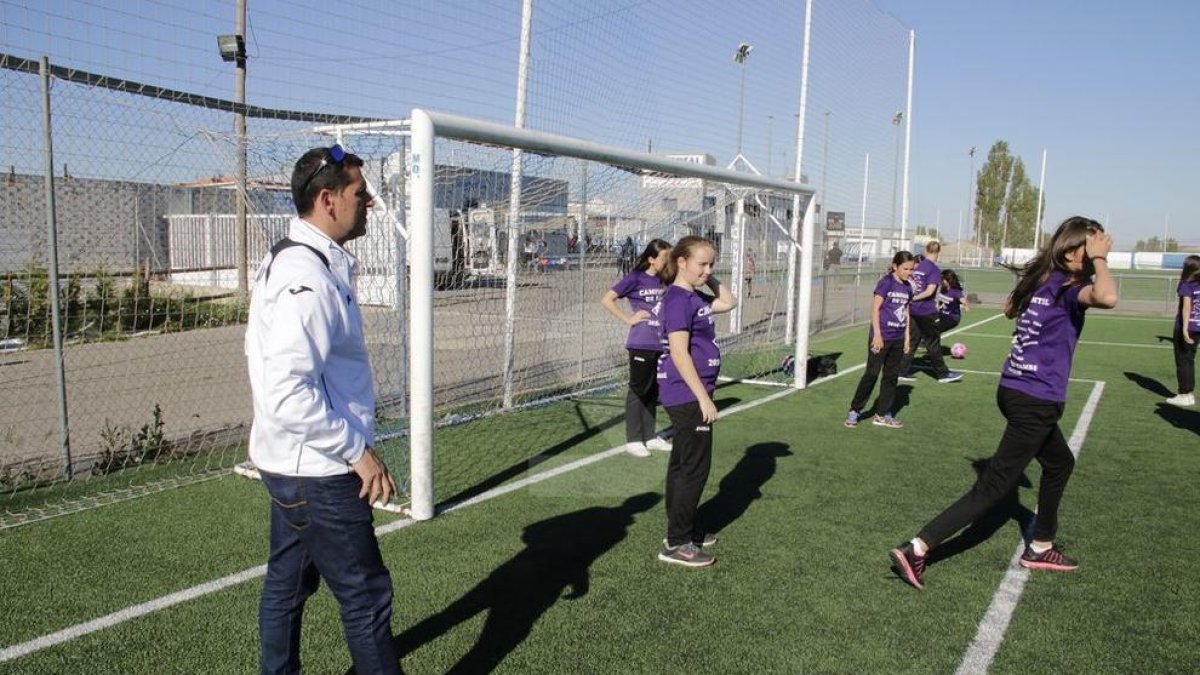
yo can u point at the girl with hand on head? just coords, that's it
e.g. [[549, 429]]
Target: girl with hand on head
[[687, 377], [1054, 291], [888, 341], [644, 287]]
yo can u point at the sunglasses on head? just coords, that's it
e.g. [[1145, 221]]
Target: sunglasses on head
[[336, 154]]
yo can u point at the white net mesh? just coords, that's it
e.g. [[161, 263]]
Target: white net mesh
[[579, 227]]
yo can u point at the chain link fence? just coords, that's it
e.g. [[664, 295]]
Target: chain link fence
[[140, 383]]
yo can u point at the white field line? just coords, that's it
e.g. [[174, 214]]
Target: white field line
[[765, 383], [1128, 318], [997, 373], [995, 621], [1082, 342], [128, 614]]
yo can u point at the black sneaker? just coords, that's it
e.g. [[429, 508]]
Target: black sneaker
[[910, 376], [1051, 560], [908, 565]]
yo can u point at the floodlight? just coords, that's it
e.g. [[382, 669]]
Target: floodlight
[[232, 47]]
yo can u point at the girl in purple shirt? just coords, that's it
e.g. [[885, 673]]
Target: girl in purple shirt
[[687, 377], [1187, 325], [644, 287], [1054, 290], [950, 302], [888, 342]]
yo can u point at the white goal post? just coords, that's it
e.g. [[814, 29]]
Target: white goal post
[[426, 127]]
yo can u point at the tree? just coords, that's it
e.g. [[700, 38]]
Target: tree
[[1021, 208], [1004, 196], [991, 187], [1155, 245]]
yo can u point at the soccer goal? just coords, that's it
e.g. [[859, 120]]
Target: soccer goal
[[536, 227]]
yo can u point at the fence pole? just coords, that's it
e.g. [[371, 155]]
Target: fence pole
[[64, 431], [736, 264], [514, 207], [580, 248], [239, 127]]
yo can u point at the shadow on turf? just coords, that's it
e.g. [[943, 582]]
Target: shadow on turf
[[741, 486], [1008, 508], [586, 432], [1181, 418], [900, 402], [557, 556], [1149, 384]]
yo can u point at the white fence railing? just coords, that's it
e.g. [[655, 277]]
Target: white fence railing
[[203, 251]]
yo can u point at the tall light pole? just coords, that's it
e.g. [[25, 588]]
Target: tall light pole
[[896, 120], [1037, 221], [825, 166], [971, 196], [797, 143], [739, 57], [770, 131]]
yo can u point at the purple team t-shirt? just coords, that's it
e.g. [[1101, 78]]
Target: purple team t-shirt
[[949, 303], [1189, 289], [893, 314], [1039, 363], [684, 310], [925, 273], [644, 291]]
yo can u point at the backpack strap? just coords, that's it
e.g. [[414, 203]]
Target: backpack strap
[[286, 243]]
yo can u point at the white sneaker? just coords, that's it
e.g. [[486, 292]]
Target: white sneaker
[[659, 443], [637, 449], [1182, 400]]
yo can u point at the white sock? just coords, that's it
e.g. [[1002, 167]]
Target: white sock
[[919, 547], [1040, 548]]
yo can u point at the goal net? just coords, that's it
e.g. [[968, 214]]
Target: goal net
[[514, 236]]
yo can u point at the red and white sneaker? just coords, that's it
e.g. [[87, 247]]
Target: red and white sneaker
[[908, 565]]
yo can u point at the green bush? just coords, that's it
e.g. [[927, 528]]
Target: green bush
[[122, 448], [110, 309]]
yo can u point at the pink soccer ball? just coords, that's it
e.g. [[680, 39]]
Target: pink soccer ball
[[959, 350]]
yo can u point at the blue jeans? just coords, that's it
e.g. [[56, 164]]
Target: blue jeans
[[321, 528]]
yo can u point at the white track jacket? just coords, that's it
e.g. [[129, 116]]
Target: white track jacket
[[311, 379]]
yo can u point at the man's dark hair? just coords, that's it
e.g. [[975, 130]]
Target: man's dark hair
[[333, 176]]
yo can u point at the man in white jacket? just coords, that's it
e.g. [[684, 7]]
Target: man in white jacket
[[314, 422]]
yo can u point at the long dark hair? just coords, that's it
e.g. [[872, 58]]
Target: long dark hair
[[1070, 235], [652, 250], [683, 249], [950, 278], [899, 259], [1191, 269]]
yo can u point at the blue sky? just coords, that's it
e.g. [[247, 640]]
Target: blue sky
[[1108, 88]]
